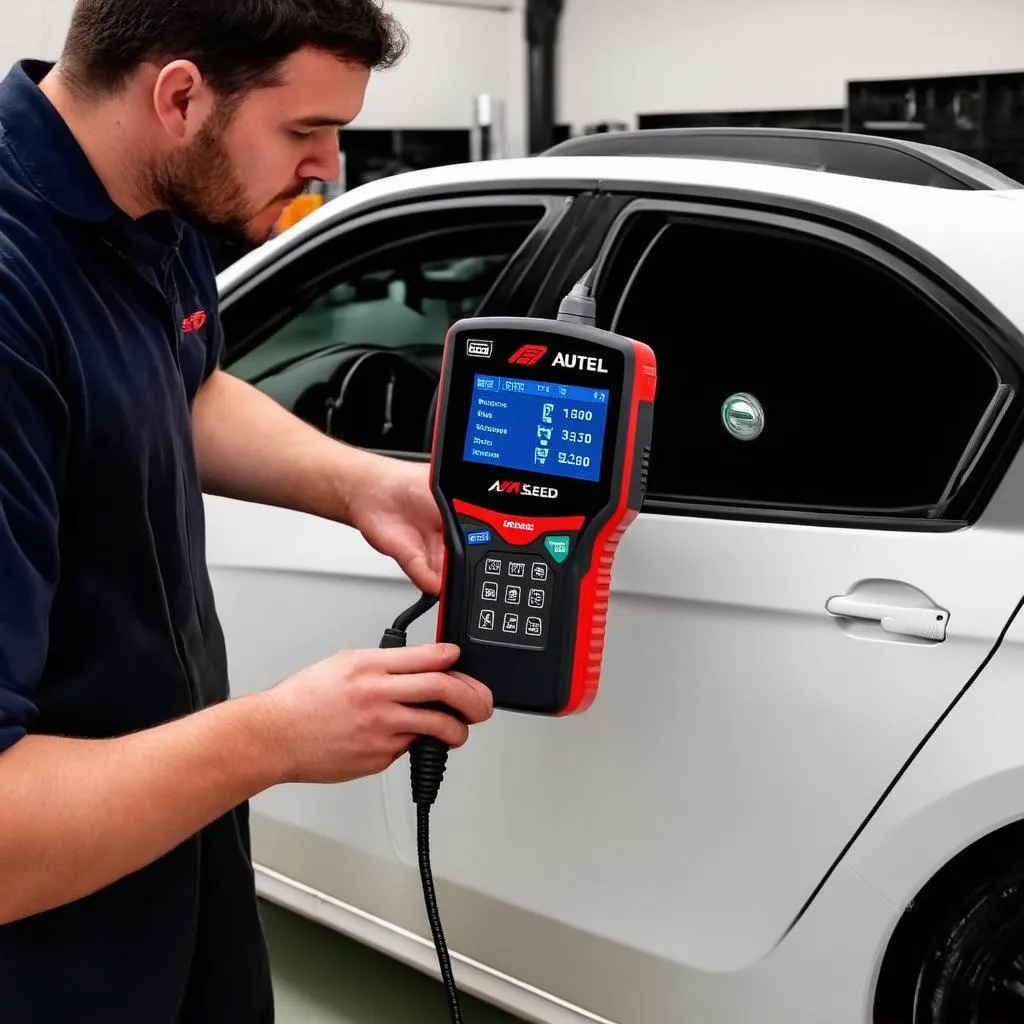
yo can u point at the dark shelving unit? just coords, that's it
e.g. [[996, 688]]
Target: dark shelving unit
[[817, 119], [979, 115]]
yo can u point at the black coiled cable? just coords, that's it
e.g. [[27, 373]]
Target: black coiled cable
[[428, 759]]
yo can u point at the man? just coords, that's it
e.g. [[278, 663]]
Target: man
[[126, 889]]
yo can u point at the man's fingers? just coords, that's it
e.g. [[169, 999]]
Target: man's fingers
[[404, 661], [465, 696], [422, 573], [436, 554], [441, 726], [415, 554]]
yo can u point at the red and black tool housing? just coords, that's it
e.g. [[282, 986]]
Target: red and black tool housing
[[530, 548]]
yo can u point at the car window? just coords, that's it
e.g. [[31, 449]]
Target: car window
[[349, 336], [410, 302], [794, 373]]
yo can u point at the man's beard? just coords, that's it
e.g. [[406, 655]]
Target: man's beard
[[201, 186]]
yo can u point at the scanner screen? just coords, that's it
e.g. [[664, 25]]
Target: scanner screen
[[536, 426]]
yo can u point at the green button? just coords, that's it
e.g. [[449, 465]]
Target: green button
[[558, 548]]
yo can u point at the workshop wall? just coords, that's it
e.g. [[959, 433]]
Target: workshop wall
[[24, 28], [620, 60], [456, 51]]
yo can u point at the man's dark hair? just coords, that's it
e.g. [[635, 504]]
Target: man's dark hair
[[238, 45]]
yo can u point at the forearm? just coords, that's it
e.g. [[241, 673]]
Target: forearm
[[79, 815], [252, 449]]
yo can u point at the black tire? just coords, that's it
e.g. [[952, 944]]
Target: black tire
[[958, 955]]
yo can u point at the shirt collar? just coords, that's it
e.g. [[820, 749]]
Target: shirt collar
[[57, 168]]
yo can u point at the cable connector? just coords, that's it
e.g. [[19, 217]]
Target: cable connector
[[579, 306], [428, 758], [393, 638]]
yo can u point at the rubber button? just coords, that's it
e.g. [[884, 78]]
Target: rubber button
[[558, 548]]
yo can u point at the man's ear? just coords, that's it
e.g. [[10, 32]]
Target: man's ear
[[182, 100]]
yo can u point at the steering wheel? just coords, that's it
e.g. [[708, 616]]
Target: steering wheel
[[380, 401], [428, 436]]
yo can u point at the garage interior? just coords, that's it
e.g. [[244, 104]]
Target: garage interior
[[493, 79]]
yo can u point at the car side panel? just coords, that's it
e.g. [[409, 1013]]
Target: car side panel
[[739, 740], [966, 782], [548, 972]]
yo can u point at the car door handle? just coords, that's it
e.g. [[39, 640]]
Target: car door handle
[[904, 620]]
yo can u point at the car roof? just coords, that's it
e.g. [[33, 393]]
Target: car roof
[[863, 156], [977, 234]]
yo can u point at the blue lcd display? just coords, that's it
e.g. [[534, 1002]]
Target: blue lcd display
[[536, 426]]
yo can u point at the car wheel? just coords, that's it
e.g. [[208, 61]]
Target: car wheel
[[961, 963]]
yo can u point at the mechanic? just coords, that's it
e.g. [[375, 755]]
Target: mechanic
[[127, 891]]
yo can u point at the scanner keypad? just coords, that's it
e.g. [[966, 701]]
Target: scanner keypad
[[511, 599]]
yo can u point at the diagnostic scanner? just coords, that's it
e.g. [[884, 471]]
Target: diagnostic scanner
[[540, 459]]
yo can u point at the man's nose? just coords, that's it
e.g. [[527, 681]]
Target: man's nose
[[325, 163]]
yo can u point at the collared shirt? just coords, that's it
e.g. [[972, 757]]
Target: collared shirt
[[108, 329]]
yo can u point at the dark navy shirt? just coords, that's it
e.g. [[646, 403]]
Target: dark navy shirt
[[108, 329]]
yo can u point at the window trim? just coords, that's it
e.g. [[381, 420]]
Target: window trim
[[997, 340]]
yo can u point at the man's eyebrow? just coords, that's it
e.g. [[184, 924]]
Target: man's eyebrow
[[322, 122]]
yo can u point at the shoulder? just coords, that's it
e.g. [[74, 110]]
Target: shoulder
[[29, 310], [33, 360], [34, 261]]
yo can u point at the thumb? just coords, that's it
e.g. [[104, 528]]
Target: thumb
[[418, 568]]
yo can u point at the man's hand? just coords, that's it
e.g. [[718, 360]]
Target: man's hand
[[80, 814], [354, 715], [393, 507]]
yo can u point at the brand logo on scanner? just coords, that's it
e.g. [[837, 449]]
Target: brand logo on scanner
[[529, 355], [527, 490], [506, 486], [593, 364]]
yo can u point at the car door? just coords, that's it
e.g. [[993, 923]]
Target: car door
[[806, 590], [805, 594], [346, 330]]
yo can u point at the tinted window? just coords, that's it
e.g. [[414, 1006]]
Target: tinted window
[[350, 336], [406, 301], [870, 394]]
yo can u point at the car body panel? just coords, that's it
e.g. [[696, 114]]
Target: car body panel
[[547, 972], [758, 763], [967, 779], [681, 849]]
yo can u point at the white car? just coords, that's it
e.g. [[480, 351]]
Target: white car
[[799, 797]]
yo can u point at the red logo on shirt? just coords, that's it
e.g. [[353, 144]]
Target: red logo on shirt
[[193, 323]]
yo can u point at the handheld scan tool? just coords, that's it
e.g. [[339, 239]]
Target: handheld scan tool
[[541, 451]]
